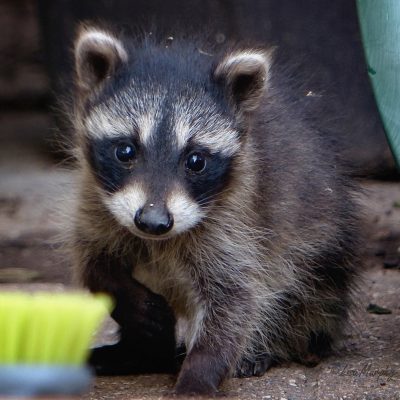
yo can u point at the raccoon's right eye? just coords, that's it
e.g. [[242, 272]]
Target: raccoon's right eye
[[125, 153], [196, 163]]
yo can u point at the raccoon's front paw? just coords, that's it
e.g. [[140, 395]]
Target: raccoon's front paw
[[254, 366], [195, 385], [142, 312], [202, 372], [154, 319]]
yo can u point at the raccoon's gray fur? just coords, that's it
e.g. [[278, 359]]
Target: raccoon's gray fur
[[200, 178]]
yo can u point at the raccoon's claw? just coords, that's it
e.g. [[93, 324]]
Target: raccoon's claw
[[255, 366]]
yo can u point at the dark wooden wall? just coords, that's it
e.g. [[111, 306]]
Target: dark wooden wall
[[320, 37]]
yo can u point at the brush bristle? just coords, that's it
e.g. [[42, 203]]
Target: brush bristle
[[49, 328]]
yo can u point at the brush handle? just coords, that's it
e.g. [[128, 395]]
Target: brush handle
[[35, 380]]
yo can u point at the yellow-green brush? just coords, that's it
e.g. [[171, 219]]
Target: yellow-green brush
[[45, 340]]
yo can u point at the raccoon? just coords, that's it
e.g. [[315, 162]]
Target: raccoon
[[210, 206]]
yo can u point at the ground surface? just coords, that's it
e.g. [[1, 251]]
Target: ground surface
[[366, 367]]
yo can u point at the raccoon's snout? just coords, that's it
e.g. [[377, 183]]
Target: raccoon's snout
[[154, 220]]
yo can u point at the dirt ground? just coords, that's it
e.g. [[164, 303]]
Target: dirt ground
[[367, 365]]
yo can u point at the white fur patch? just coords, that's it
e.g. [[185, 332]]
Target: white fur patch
[[195, 327], [125, 203], [219, 138], [101, 124], [246, 59], [186, 212], [145, 124], [98, 38], [181, 330], [225, 142], [182, 132]]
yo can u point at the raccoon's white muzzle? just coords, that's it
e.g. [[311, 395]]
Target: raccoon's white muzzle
[[133, 209]]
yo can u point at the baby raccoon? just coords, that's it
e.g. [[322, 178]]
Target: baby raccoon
[[209, 207]]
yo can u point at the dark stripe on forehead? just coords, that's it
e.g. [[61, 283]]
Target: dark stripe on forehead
[[163, 130]]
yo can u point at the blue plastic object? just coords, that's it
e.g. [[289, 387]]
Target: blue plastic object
[[44, 380]]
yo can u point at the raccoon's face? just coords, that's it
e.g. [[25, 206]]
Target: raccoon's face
[[161, 134]]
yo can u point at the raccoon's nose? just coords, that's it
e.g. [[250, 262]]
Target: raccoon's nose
[[154, 220]]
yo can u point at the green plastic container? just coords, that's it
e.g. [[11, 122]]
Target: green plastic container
[[380, 29]]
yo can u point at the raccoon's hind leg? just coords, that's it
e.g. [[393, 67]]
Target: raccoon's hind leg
[[147, 323], [328, 312], [319, 347]]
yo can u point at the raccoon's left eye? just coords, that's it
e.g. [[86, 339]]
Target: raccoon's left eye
[[125, 153], [196, 162]]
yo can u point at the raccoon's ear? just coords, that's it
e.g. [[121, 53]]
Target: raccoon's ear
[[245, 76], [98, 54]]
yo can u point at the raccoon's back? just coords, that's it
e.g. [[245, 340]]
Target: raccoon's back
[[306, 196]]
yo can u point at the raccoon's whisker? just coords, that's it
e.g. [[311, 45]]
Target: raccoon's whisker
[[208, 198], [109, 184]]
